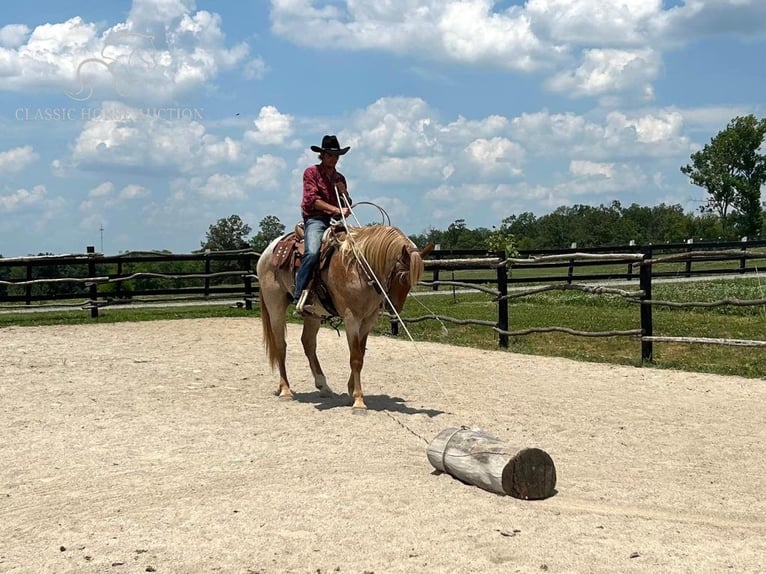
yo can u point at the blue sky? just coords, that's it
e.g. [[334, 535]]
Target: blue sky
[[189, 111]]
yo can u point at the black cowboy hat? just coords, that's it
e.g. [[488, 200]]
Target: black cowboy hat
[[330, 145]]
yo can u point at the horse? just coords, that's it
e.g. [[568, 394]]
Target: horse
[[366, 259]]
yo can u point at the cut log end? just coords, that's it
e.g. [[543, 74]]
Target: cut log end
[[530, 475]]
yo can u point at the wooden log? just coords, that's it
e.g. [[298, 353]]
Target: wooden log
[[475, 457]]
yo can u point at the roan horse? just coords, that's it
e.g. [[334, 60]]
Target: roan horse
[[380, 250]]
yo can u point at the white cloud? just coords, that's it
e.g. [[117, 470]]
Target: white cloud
[[656, 128], [163, 51], [394, 126], [392, 170], [217, 152], [147, 11], [124, 137], [697, 19], [17, 159], [610, 71], [496, 155], [589, 47], [219, 186], [591, 168], [471, 32], [13, 35], [265, 173], [102, 190], [651, 134], [25, 199], [271, 127], [586, 22], [462, 130], [467, 30], [133, 191]]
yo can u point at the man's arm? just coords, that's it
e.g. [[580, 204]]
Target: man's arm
[[343, 191]]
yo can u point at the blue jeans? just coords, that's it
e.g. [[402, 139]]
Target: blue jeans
[[314, 228]]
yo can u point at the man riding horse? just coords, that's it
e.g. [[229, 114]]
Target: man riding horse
[[325, 195]]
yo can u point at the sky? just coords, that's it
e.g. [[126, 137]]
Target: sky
[[136, 124]]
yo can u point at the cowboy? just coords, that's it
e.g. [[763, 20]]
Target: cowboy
[[325, 195]]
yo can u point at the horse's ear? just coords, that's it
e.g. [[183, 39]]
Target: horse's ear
[[427, 250]]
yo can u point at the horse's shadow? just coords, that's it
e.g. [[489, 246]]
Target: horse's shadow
[[380, 403]]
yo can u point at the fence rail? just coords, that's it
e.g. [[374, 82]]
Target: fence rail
[[103, 281]]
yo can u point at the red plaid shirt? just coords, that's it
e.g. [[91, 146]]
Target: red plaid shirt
[[317, 185]]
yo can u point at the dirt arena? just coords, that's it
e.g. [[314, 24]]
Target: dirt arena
[[160, 447]]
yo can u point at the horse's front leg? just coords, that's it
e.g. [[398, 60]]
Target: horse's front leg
[[309, 340], [357, 346]]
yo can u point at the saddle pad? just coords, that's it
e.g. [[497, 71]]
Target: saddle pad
[[283, 252]]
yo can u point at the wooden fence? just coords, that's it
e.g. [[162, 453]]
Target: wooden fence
[[103, 281], [564, 269]]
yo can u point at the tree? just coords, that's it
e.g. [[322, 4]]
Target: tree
[[454, 234], [501, 239], [270, 228], [733, 171], [228, 234], [524, 229]]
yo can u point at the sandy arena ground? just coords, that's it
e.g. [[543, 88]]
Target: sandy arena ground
[[160, 447]]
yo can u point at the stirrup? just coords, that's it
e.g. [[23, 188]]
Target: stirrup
[[302, 300]]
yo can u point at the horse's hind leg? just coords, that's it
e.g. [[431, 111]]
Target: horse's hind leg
[[309, 340], [275, 314]]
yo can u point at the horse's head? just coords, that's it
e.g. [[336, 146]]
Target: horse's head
[[406, 273]]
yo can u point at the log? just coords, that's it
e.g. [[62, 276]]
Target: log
[[477, 458]]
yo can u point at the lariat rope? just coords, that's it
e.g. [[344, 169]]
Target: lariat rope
[[368, 269]]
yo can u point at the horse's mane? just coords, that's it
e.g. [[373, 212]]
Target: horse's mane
[[381, 246]]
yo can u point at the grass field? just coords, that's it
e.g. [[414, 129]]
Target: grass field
[[584, 312], [575, 310]]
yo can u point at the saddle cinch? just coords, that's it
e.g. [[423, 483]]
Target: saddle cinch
[[288, 254]]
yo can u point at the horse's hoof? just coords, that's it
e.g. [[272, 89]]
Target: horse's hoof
[[285, 397], [359, 410]]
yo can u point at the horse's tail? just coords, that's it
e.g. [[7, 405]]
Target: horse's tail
[[269, 337], [268, 334]]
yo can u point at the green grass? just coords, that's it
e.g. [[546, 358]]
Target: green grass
[[571, 309], [584, 312], [79, 316]]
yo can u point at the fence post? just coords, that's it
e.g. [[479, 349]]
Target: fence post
[[645, 284], [502, 304], [93, 289], [570, 270], [435, 277], [207, 272], [630, 264], [28, 287], [248, 284], [743, 260], [689, 261], [118, 287]]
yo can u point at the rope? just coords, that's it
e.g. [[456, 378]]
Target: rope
[[405, 427], [368, 268]]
